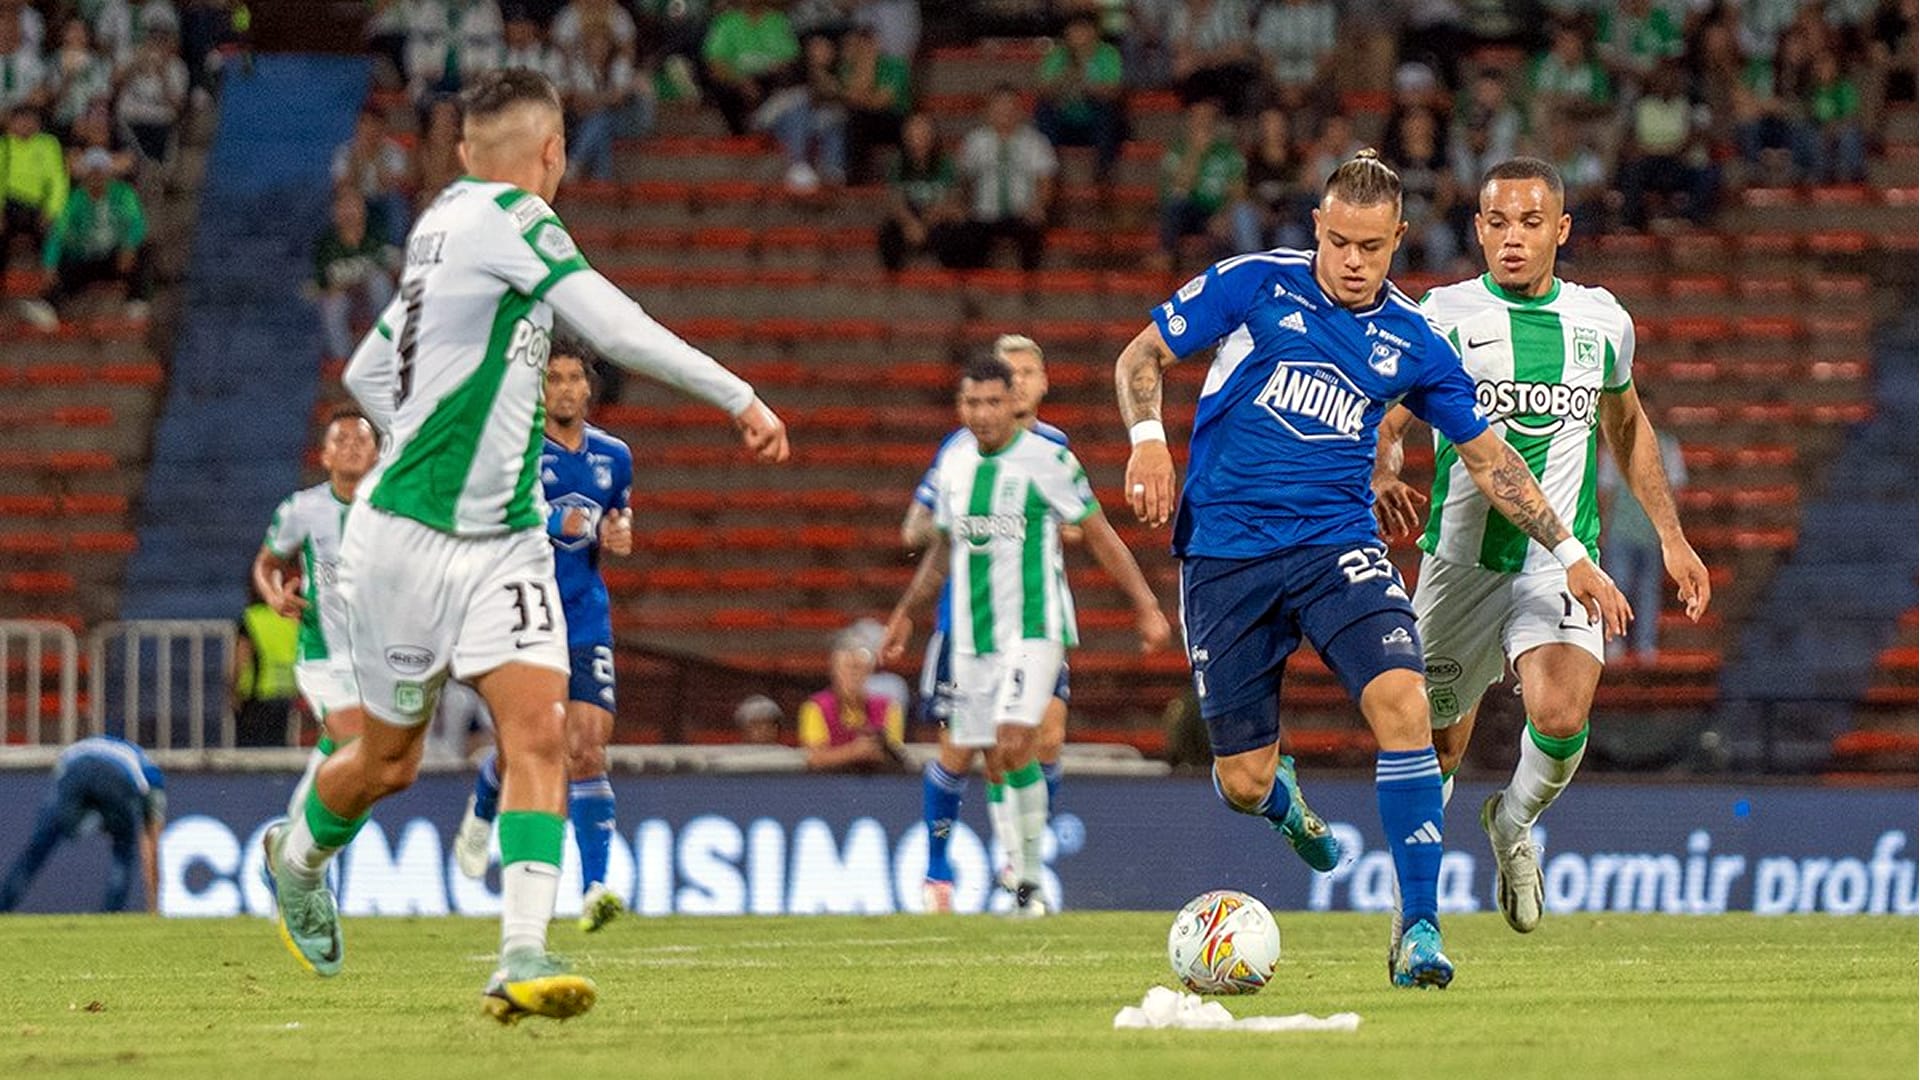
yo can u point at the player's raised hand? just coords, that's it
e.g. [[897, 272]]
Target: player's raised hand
[[1150, 482], [894, 644], [763, 432], [1696, 588], [616, 532], [1397, 506], [282, 594], [1596, 592], [1154, 632]]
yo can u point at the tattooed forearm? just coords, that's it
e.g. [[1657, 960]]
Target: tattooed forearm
[[1509, 485], [927, 577], [1136, 377]]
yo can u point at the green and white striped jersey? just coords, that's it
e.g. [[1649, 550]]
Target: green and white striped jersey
[[471, 334], [1539, 366], [1002, 514], [308, 523]]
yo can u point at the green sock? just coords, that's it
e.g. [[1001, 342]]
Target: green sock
[[531, 836], [1558, 749], [330, 831]]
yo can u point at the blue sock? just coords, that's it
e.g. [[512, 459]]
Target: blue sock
[[1408, 785], [1051, 773], [1275, 807], [486, 787], [940, 793], [590, 806]]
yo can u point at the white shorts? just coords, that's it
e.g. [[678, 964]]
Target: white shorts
[[422, 603], [1013, 687], [1473, 621], [327, 685]]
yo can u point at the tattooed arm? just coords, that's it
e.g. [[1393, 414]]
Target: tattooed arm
[[1503, 477], [1136, 378]]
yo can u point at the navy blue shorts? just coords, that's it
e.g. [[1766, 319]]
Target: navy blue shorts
[[936, 680], [1244, 617], [591, 677]]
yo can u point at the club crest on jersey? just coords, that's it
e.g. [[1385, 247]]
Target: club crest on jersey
[[566, 503], [1385, 360], [1315, 401], [1586, 347]]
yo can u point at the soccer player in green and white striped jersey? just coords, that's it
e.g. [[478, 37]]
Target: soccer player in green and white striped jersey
[[444, 563], [1552, 364], [297, 573], [1002, 495]]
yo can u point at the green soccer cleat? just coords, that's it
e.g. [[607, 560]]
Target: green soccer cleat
[[309, 924], [599, 908], [531, 982], [1516, 871], [1309, 835], [1419, 962]]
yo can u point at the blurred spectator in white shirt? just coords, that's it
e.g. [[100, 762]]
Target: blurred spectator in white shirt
[[377, 166], [895, 25], [449, 42], [574, 20], [600, 83], [77, 76], [526, 47], [151, 91], [23, 76], [1009, 168]]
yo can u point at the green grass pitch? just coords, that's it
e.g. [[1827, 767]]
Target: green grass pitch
[[907, 996]]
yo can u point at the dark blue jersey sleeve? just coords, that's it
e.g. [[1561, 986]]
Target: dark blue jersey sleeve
[[1211, 306], [1444, 395], [622, 495]]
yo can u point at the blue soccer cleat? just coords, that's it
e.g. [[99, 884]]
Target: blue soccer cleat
[[1419, 961], [308, 922], [1309, 835]]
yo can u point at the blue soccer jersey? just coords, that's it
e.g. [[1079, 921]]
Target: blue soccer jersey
[[924, 493], [1283, 436], [594, 480]]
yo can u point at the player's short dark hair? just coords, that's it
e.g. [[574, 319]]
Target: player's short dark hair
[[497, 91], [347, 412], [1526, 168], [568, 345], [1364, 180], [987, 369]]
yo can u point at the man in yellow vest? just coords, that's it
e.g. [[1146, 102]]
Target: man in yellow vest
[[263, 689]]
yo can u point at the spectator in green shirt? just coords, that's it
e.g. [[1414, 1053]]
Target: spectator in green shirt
[[34, 176], [1830, 144], [750, 52], [352, 272], [878, 91], [1567, 83], [1202, 173], [100, 236], [1080, 93], [923, 197]]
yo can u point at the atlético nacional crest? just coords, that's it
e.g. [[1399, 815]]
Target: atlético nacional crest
[[1586, 347], [1385, 360]]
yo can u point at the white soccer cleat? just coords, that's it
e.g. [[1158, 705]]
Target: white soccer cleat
[[936, 897], [1028, 902], [470, 844], [1516, 870]]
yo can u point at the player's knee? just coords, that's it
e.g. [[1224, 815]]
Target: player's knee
[[1241, 786], [1557, 719], [1395, 705], [1015, 745]]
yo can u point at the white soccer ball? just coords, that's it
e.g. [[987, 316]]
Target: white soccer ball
[[1223, 942]]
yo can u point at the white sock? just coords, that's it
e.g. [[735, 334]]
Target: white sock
[[1030, 815], [1003, 816], [305, 860], [297, 806], [1538, 779], [1446, 791], [527, 891]]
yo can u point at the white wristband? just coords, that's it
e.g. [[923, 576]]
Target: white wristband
[[1147, 431], [1570, 551]]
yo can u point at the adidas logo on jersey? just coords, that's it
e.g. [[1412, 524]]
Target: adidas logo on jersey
[[1295, 322], [1427, 833], [1315, 401]]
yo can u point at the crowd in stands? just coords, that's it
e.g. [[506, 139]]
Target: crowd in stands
[[94, 93], [1652, 108]]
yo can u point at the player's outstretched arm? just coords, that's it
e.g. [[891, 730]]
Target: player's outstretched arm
[[623, 333], [1119, 564], [927, 579], [1137, 381], [1395, 503], [1636, 449], [1503, 477]]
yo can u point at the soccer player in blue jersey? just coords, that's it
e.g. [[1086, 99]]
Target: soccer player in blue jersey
[[1275, 533], [944, 781], [587, 475], [106, 781]]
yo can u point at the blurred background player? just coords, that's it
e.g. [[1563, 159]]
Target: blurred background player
[[1553, 365], [104, 783], [1276, 536], [945, 778], [587, 475], [1001, 495], [446, 568], [297, 572]]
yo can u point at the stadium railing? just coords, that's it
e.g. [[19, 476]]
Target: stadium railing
[[148, 653], [37, 639]]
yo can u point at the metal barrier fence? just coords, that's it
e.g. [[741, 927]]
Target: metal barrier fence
[[37, 638], [148, 653]]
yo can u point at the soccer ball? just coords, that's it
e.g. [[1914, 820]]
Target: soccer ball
[[1223, 942]]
